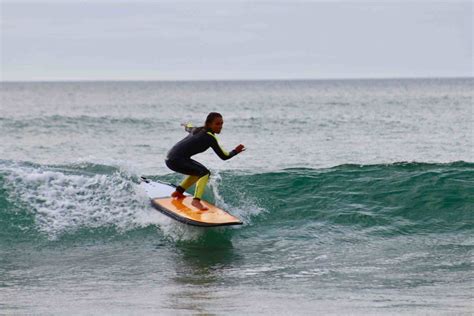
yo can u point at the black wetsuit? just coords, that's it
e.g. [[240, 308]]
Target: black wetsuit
[[198, 141]]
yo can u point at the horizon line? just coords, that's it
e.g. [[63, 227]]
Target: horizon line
[[235, 80]]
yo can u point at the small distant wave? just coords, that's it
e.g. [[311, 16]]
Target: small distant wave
[[72, 123]]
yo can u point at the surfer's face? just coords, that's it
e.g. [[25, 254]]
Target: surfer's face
[[216, 125]]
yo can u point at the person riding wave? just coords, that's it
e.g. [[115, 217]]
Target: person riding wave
[[198, 141]]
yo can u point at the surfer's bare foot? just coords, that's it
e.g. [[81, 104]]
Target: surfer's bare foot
[[197, 203], [177, 195]]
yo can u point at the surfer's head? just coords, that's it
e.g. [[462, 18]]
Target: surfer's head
[[214, 122]]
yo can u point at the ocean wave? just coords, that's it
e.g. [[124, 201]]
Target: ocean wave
[[64, 123], [388, 199], [384, 200]]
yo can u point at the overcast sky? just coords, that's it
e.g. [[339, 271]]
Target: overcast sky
[[200, 40]]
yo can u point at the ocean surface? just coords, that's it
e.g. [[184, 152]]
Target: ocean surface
[[357, 197]]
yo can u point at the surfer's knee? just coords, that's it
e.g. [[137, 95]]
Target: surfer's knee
[[205, 173]]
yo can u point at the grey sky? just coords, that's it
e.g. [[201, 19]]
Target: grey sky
[[166, 40]]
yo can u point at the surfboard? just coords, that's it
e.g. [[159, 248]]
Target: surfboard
[[182, 210]]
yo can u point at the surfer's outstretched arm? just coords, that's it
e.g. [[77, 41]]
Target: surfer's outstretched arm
[[224, 155]]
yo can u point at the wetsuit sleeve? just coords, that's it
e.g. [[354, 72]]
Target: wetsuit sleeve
[[224, 155]]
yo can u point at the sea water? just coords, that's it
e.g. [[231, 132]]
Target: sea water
[[357, 197]]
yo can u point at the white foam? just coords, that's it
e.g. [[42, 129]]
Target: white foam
[[64, 202], [126, 167], [246, 209]]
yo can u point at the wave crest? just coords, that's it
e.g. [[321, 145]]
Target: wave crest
[[393, 199]]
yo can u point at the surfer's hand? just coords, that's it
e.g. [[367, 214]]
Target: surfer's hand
[[239, 148]]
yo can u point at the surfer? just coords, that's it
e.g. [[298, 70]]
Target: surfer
[[198, 141]]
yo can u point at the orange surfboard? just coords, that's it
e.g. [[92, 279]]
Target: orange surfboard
[[183, 211]]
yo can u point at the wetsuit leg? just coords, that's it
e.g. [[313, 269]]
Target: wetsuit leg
[[195, 170], [201, 186], [187, 166], [188, 182]]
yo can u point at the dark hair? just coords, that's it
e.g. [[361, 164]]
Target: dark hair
[[211, 117]]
